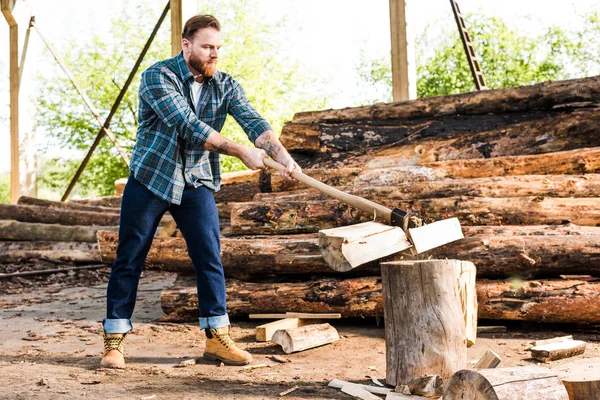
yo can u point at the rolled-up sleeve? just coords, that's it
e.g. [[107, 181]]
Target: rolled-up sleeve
[[245, 115], [163, 96]]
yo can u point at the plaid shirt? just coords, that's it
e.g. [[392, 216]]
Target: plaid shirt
[[168, 153]]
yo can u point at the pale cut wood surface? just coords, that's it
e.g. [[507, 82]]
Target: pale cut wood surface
[[515, 383], [265, 332], [467, 273], [304, 338], [424, 324], [558, 350], [489, 359], [338, 384]]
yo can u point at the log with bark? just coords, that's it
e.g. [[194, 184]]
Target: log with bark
[[375, 172], [106, 201], [32, 201], [304, 217], [551, 301], [48, 215], [587, 185], [14, 252], [497, 251], [15, 230]]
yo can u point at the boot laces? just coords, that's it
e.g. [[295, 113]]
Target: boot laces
[[224, 339], [114, 343]]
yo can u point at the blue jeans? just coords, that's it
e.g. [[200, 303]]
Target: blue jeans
[[198, 220]]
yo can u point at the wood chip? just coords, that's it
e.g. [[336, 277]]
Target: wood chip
[[256, 366], [280, 359], [290, 390]]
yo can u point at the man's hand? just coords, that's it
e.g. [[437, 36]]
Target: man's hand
[[271, 144], [253, 158], [290, 165]]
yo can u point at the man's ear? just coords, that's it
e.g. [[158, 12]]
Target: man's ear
[[186, 45]]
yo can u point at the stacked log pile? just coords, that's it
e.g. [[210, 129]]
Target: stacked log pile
[[519, 167]]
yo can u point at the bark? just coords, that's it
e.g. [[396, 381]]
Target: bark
[[259, 218], [48, 215], [242, 258], [106, 201], [15, 230], [544, 96], [424, 324], [497, 251], [509, 186], [551, 301], [14, 252], [32, 201]]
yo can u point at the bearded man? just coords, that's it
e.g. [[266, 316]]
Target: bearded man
[[183, 104]]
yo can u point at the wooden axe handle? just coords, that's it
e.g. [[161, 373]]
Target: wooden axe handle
[[380, 212]]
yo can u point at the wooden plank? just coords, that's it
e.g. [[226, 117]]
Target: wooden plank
[[304, 338], [558, 350], [489, 359], [176, 26], [265, 332], [491, 329], [296, 315], [557, 339]]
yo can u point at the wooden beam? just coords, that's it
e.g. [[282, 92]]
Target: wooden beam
[[176, 26], [402, 86], [15, 187]]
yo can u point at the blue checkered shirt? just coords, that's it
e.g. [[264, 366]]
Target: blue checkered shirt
[[168, 154]]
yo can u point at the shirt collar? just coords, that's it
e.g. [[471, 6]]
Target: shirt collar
[[186, 74]]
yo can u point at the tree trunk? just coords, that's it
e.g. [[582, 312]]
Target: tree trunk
[[15, 230], [514, 383], [497, 251], [14, 252], [510, 186], [106, 201], [32, 201], [48, 215], [259, 218], [424, 324], [552, 301], [242, 258]]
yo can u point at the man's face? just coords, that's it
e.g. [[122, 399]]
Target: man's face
[[202, 52]]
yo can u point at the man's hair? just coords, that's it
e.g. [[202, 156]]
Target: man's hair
[[198, 22]]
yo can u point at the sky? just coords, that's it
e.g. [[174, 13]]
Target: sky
[[333, 33]]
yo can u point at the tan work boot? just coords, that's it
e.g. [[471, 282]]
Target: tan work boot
[[114, 351], [220, 346]]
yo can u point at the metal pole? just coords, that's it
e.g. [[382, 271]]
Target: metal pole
[[116, 103]]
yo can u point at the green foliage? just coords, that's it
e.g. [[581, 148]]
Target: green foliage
[[250, 54], [508, 58], [5, 188]]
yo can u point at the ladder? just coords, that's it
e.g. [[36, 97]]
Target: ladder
[[468, 45]]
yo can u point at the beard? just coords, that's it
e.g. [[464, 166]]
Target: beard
[[207, 69]]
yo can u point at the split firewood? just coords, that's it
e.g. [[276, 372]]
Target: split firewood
[[488, 360], [304, 338], [515, 383], [558, 350], [338, 384], [358, 393], [265, 332], [557, 339], [430, 386]]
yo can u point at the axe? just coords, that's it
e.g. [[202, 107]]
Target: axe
[[390, 232]]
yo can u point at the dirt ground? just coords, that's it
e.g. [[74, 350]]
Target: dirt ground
[[50, 347]]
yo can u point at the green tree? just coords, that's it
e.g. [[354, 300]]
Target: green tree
[[508, 58], [273, 84], [4, 188]]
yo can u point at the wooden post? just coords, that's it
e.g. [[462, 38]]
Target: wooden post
[[403, 81], [15, 187], [176, 26], [424, 324]]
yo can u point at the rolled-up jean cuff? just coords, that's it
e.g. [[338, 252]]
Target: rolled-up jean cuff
[[214, 322], [116, 325]]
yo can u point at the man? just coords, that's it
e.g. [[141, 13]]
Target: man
[[175, 167]]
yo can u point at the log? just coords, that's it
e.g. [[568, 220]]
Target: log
[[424, 325], [14, 252], [243, 258], [32, 201], [544, 96], [552, 301], [558, 351], [307, 337], [15, 230], [106, 201], [488, 360], [47, 215], [515, 383], [491, 329], [498, 252], [582, 384], [587, 185], [265, 332], [305, 217]]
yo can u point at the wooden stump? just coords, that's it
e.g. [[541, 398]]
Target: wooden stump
[[515, 383], [424, 323]]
